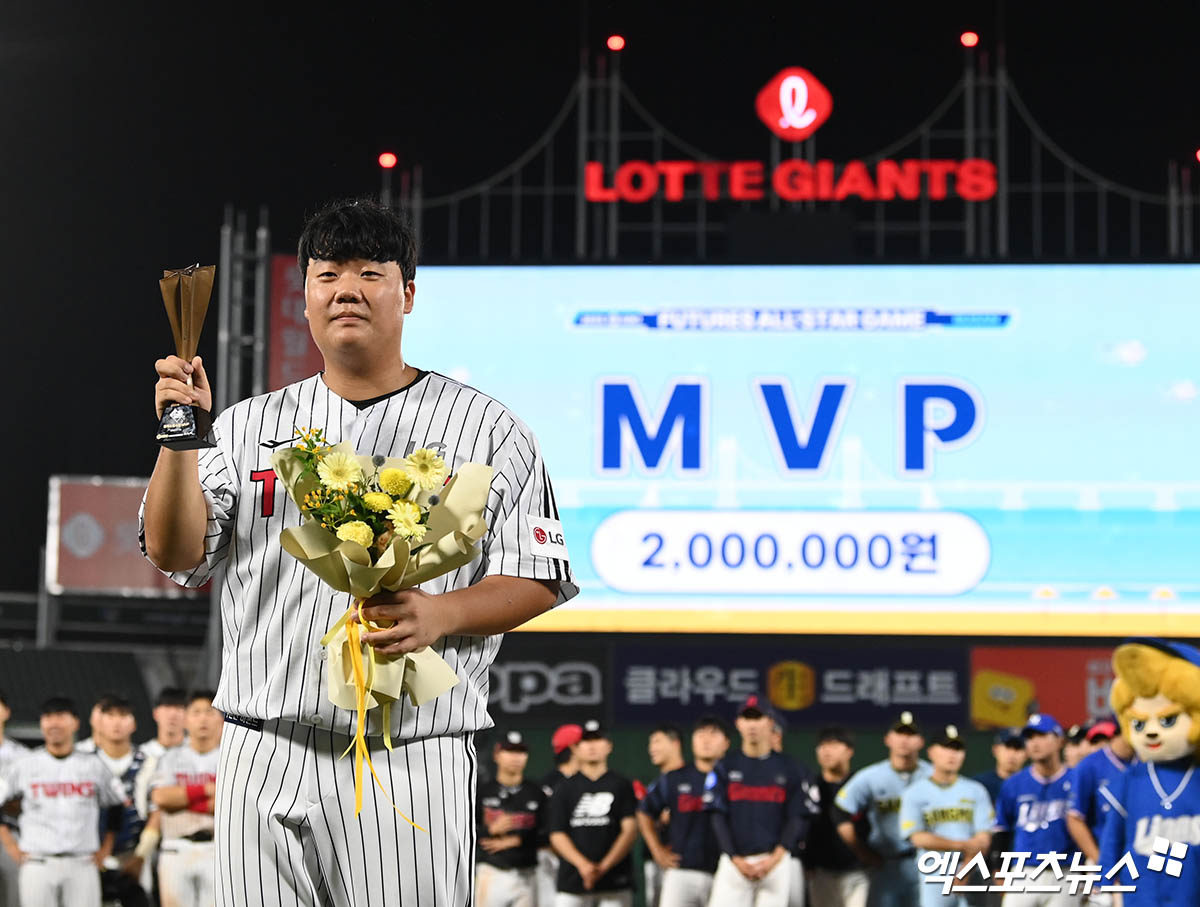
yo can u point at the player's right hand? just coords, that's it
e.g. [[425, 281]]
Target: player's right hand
[[172, 386], [747, 868], [18, 856], [667, 858]]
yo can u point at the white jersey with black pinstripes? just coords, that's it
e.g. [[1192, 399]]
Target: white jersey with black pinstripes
[[274, 611]]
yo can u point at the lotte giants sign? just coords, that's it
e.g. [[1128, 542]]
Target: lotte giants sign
[[793, 105]]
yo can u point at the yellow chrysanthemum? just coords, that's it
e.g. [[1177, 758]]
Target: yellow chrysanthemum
[[356, 531], [377, 501], [418, 532], [426, 468], [395, 482], [404, 512], [339, 471]]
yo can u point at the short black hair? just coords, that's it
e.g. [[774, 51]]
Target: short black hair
[[563, 755], [172, 696], [114, 702], [4, 697], [714, 721], [358, 228], [201, 694], [56, 704], [672, 731]]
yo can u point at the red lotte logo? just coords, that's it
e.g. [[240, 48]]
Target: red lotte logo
[[539, 535], [794, 104]]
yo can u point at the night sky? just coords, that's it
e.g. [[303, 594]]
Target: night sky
[[128, 126]]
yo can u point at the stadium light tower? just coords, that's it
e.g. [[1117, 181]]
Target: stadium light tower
[[387, 162]]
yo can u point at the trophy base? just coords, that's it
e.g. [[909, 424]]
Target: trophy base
[[184, 428]]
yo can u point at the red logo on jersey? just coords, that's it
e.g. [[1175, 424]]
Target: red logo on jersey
[[518, 821], [768, 793], [267, 477], [794, 104], [539, 535], [63, 788], [183, 779], [689, 803]]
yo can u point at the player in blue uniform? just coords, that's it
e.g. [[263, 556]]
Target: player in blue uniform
[[1092, 798], [948, 813], [1033, 806], [760, 808], [1157, 698], [689, 856], [875, 792]]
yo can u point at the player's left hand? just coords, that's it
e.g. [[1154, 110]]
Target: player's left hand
[[133, 867], [418, 620]]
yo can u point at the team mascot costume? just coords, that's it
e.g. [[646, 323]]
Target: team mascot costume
[[1156, 803]]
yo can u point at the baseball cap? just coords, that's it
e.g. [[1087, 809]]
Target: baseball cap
[[1076, 733], [835, 734], [1010, 737], [1105, 729], [593, 731], [905, 724], [1175, 649], [513, 742], [949, 738], [753, 707], [1041, 724], [566, 735]]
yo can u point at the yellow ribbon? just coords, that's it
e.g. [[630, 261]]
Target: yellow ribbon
[[362, 681]]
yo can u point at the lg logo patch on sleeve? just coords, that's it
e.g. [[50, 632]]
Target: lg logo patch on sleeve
[[546, 538]]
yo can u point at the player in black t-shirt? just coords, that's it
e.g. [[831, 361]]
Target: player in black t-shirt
[[592, 829], [835, 876], [760, 810], [509, 818], [690, 856], [566, 764]]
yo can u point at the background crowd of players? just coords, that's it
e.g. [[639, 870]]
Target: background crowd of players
[[743, 823], [105, 820]]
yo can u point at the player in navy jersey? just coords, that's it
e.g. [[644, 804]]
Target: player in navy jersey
[[113, 734], [510, 820], [1033, 805], [760, 811], [689, 856], [1156, 817], [219, 513], [592, 828], [1092, 798], [835, 876], [665, 748]]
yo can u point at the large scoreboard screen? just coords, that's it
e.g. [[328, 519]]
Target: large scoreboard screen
[[925, 449]]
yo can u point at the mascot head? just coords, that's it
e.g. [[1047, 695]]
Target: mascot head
[[1156, 697]]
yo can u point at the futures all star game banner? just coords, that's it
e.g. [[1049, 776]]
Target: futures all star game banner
[[928, 450]]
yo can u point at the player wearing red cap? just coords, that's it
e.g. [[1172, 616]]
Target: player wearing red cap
[[566, 764]]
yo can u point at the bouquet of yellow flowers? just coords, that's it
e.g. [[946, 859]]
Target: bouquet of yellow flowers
[[375, 523]]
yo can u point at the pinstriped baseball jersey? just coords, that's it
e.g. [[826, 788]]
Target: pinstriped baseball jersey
[[61, 799], [274, 611], [181, 766]]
